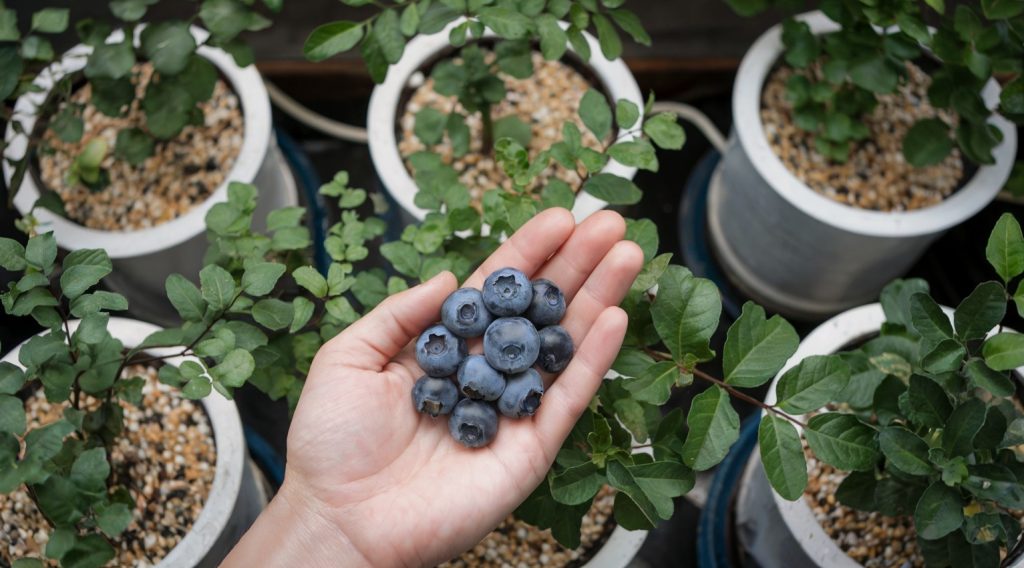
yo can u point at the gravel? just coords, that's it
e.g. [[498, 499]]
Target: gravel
[[165, 459], [181, 173], [876, 176]]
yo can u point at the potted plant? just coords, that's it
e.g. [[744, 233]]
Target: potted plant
[[475, 72], [128, 139], [862, 135], [917, 458]]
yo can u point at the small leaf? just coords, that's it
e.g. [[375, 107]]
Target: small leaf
[[842, 441], [654, 385], [1005, 249], [83, 269], [577, 485], [430, 125], [310, 279], [980, 311], [505, 22], [929, 403], [272, 313], [596, 114], [217, 287], [756, 348], [713, 427], [939, 512], [782, 454], [665, 131], [613, 189], [963, 425], [945, 357], [50, 20], [626, 114], [12, 415], [133, 145], [927, 143], [685, 314], [905, 451], [168, 46], [814, 382], [635, 153], [235, 369], [1004, 351], [185, 297], [260, 278], [929, 320], [982, 376]]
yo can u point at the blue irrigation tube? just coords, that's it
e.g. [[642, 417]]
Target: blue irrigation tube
[[270, 462], [713, 528], [309, 183]]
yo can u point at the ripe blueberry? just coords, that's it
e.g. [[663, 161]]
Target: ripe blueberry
[[507, 292], [464, 313], [434, 396], [473, 423], [439, 351], [556, 349], [511, 345], [548, 304], [478, 380], [522, 394]]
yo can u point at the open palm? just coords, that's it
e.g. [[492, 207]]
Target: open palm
[[393, 481]]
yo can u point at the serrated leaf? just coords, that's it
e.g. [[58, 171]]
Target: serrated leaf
[[310, 279], [217, 287], [756, 348], [83, 269], [782, 454], [272, 313], [713, 427], [185, 297]]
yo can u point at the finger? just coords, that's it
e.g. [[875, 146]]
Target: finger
[[605, 287], [378, 336], [529, 247], [565, 401], [589, 243]]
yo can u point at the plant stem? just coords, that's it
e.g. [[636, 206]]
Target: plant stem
[[488, 130]]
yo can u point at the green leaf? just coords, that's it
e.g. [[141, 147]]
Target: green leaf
[[50, 20], [896, 299], [1005, 249], [168, 107], [1004, 351], [814, 382], [41, 251], [403, 257], [272, 313], [875, 74], [12, 255], [607, 37], [302, 312], [61, 541], [595, 114], [980, 311], [235, 369], [331, 39], [557, 193], [651, 273], [613, 189], [168, 46], [217, 286], [857, 490], [756, 348], [429, 126], [626, 114], [130, 10], [110, 60], [802, 46], [310, 279], [89, 551], [644, 233], [505, 22], [90, 471], [114, 519], [635, 153], [995, 482], [905, 450], [782, 454], [185, 297], [945, 357], [713, 427], [982, 376], [511, 127], [197, 388], [387, 34], [227, 18], [37, 48], [12, 378], [1001, 9], [553, 38], [83, 269], [341, 309], [929, 320], [842, 441], [939, 512], [665, 131], [577, 484], [630, 23], [260, 278], [133, 145], [927, 143], [929, 405], [963, 425], [654, 384], [12, 414], [685, 314], [410, 20]]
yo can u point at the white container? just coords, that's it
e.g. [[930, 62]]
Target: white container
[[798, 252], [784, 534], [618, 551], [382, 117], [235, 498], [143, 259]]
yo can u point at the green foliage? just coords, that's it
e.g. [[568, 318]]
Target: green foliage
[[839, 74], [170, 100]]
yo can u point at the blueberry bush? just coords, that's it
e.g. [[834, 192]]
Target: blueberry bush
[[867, 56], [182, 79]]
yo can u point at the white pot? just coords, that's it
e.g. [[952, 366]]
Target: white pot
[[235, 499], [799, 252], [785, 534], [618, 551], [143, 259], [382, 117]]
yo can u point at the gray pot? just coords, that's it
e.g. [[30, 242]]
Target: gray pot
[[236, 497], [798, 252]]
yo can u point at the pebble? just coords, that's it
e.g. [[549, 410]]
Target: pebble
[[515, 543], [875, 176], [545, 100], [181, 173], [158, 524]]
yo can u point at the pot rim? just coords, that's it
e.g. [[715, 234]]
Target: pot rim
[[621, 547], [255, 106], [749, 131], [381, 117], [228, 439]]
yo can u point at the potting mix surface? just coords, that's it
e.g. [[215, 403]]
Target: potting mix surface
[[165, 458], [182, 172], [876, 176], [544, 101]]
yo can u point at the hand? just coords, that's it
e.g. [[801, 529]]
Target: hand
[[371, 481]]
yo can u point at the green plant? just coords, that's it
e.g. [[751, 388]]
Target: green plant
[[181, 78], [867, 57]]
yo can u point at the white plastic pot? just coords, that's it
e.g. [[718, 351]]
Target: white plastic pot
[[798, 252], [784, 534], [382, 117], [235, 498], [143, 259], [618, 551]]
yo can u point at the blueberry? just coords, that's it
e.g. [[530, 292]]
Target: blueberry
[[473, 423], [522, 394], [548, 304], [479, 380], [507, 292], [556, 349], [434, 396], [439, 351], [511, 345], [464, 313]]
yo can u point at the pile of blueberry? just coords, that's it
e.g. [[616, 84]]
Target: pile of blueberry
[[508, 313]]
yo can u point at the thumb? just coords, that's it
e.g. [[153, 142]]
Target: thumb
[[376, 338]]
